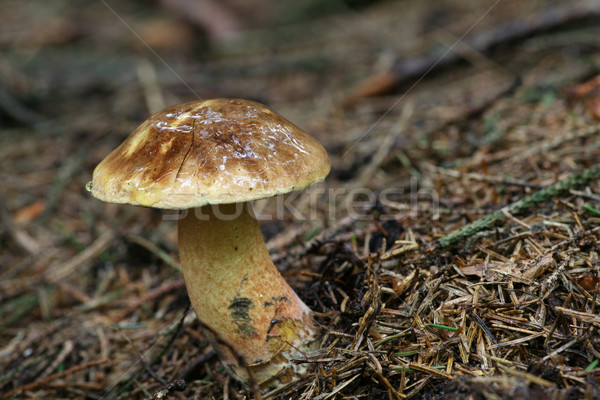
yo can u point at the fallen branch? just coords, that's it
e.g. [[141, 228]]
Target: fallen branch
[[520, 206]]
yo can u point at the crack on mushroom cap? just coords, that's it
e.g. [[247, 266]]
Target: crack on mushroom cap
[[210, 152]]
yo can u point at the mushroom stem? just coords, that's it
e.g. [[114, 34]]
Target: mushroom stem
[[238, 292]]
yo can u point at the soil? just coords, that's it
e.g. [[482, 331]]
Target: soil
[[436, 115]]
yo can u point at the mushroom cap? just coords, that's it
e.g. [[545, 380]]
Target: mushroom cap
[[210, 152]]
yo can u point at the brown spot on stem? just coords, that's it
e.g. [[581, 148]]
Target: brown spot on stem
[[240, 307]]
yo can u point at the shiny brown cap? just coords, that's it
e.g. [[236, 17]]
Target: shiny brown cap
[[210, 152]]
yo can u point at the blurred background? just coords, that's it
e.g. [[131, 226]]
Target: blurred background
[[393, 89]]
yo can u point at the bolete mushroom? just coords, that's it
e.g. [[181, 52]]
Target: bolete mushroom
[[208, 158]]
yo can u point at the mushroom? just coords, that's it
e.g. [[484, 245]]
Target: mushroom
[[209, 158]]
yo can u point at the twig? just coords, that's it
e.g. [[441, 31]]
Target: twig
[[135, 376], [144, 363], [483, 327], [48, 379], [388, 385], [431, 371], [149, 80], [481, 42], [588, 196], [520, 206], [335, 390], [163, 393], [581, 316], [527, 376], [64, 176], [159, 291], [151, 247], [485, 178], [385, 147], [15, 235], [188, 372], [64, 353], [56, 273], [219, 341]]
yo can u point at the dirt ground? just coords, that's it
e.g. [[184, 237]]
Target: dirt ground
[[435, 115]]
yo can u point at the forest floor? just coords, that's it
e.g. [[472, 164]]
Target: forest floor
[[434, 115]]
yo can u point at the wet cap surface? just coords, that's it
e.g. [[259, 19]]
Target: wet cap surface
[[210, 152]]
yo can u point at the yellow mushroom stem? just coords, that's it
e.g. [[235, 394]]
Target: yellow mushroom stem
[[240, 295]]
